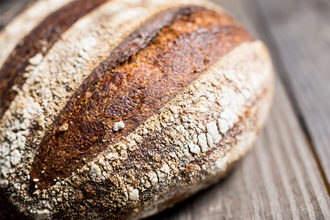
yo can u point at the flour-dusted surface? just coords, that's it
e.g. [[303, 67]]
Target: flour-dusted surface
[[51, 80], [282, 155], [24, 23], [51, 83], [194, 124], [281, 177], [182, 130]]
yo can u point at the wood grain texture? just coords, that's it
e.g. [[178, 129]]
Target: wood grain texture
[[280, 177], [299, 34]]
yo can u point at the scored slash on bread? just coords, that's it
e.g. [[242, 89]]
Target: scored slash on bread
[[136, 106], [141, 75]]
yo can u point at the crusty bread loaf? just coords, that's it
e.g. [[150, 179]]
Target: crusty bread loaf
[[119, 109]]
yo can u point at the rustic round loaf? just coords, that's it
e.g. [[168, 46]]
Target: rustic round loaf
[[119, 109]]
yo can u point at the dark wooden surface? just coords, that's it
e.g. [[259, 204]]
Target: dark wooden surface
[[286, 175]]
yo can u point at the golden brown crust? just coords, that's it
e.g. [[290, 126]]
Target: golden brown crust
[[185, 142], [36, 45], [154, 148], [152, 145], [247, 121], [133, 83]]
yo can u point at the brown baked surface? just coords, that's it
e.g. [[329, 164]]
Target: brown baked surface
[[146, 71], [39, 40], [130, 109]]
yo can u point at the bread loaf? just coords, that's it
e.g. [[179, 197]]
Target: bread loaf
[[119, 109]]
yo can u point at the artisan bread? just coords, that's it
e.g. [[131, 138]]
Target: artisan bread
[[120, 109]]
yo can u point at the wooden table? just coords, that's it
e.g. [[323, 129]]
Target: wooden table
[[286, 175]]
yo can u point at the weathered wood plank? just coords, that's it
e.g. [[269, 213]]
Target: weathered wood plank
[[299, 33]]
